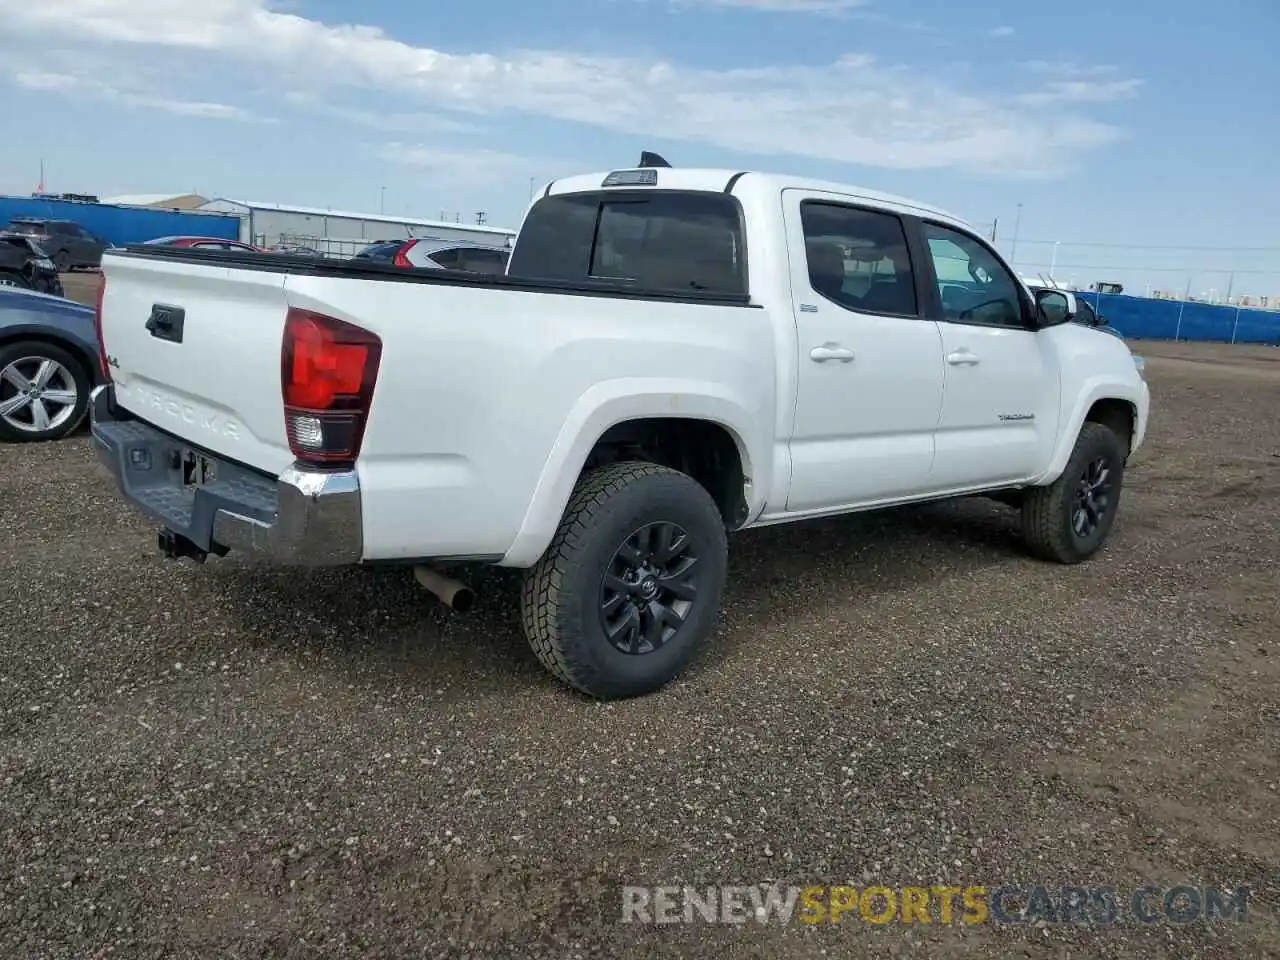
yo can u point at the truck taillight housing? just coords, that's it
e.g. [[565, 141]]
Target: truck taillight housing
[[97, 329], [327, 371], [401, 259]]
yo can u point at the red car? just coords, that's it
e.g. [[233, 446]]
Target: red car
[[205, 243]]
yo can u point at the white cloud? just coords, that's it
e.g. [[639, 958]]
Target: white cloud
[[379, 119], [855, 110], [1083, 91], [83, 86], [780, 6], [1005, 31]]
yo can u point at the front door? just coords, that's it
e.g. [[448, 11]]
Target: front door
[[870, 377], [1000, 408]]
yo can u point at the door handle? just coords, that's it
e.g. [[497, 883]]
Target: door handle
[[962, 358], [830, 351]]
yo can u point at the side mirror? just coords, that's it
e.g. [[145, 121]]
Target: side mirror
[[1055, 306]]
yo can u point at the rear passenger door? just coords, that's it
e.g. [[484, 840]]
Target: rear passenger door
[[869, 384]]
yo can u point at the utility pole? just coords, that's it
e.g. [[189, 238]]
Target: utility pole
[[1013, 251], [382, 200], [1053, 263], [480, 218], [531, 183]]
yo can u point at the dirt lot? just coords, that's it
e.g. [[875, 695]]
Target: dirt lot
[[81, 286], [236, 761]]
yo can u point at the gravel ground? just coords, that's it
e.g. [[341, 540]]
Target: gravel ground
[[237, 761]]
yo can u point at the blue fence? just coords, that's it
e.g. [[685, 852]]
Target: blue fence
[[123, 225], [1143, 318]]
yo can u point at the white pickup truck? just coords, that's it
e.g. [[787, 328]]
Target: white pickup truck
[[673, 355]]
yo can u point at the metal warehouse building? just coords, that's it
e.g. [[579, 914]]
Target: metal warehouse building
[[340, 233]]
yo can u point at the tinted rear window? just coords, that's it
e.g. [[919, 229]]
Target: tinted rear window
[[679, 241], [26, 227]]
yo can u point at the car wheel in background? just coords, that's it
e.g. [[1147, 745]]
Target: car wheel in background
[[44, 392], [62, 260]]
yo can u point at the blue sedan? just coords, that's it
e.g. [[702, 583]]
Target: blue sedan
[[49, 363]]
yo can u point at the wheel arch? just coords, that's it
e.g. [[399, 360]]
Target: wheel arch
[[1101, 401], [601, 423], [88, 364]]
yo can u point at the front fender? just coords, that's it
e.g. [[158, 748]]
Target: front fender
[[1095, 388], [611, 402]]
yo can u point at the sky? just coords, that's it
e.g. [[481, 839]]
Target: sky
[[1134, 143]]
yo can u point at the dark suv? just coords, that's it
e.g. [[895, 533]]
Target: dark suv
[[24, 265], [68, 244]]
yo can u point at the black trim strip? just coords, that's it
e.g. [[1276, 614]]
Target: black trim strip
[[547, 192], [352, 270], [733, 181]]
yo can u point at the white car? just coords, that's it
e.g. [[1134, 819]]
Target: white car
[[672, 356]]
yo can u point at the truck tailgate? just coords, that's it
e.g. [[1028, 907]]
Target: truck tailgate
[[194, 349]]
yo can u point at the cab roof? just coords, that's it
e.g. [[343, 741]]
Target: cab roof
[[747, 184]]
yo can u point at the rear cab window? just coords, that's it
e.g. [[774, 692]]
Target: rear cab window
[[669, 241]]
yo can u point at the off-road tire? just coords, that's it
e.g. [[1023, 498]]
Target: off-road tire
[[1047, 511], [560, 596], [62, 260]]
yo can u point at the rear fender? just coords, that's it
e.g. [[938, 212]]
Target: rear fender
[[612, 402]]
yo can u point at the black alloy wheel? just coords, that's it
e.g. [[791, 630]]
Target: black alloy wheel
[[649, 588], [1093, 498], [1070, 519]]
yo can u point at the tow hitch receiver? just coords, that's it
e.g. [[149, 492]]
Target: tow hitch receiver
[[174, 546]]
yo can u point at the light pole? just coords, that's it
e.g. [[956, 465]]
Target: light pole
[[531, 183], [1013, 250], [382, 200], [1053, 263]]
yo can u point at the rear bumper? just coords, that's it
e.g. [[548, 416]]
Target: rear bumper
[[305, 517]]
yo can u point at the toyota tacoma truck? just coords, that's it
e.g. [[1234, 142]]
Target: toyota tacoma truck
[[673, 355]]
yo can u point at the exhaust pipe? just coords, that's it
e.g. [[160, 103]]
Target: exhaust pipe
[[452, 593]]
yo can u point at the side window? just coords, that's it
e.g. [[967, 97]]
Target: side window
[[447, 258], [858, 258], [477, 260], [1085, 312], [973, 285]]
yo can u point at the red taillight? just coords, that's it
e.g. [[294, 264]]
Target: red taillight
[[97, 329], [327, 371], [401, 259]]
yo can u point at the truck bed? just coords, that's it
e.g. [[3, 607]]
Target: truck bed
[[294, 265]]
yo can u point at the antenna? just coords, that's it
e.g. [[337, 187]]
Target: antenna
[[648, 159]]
